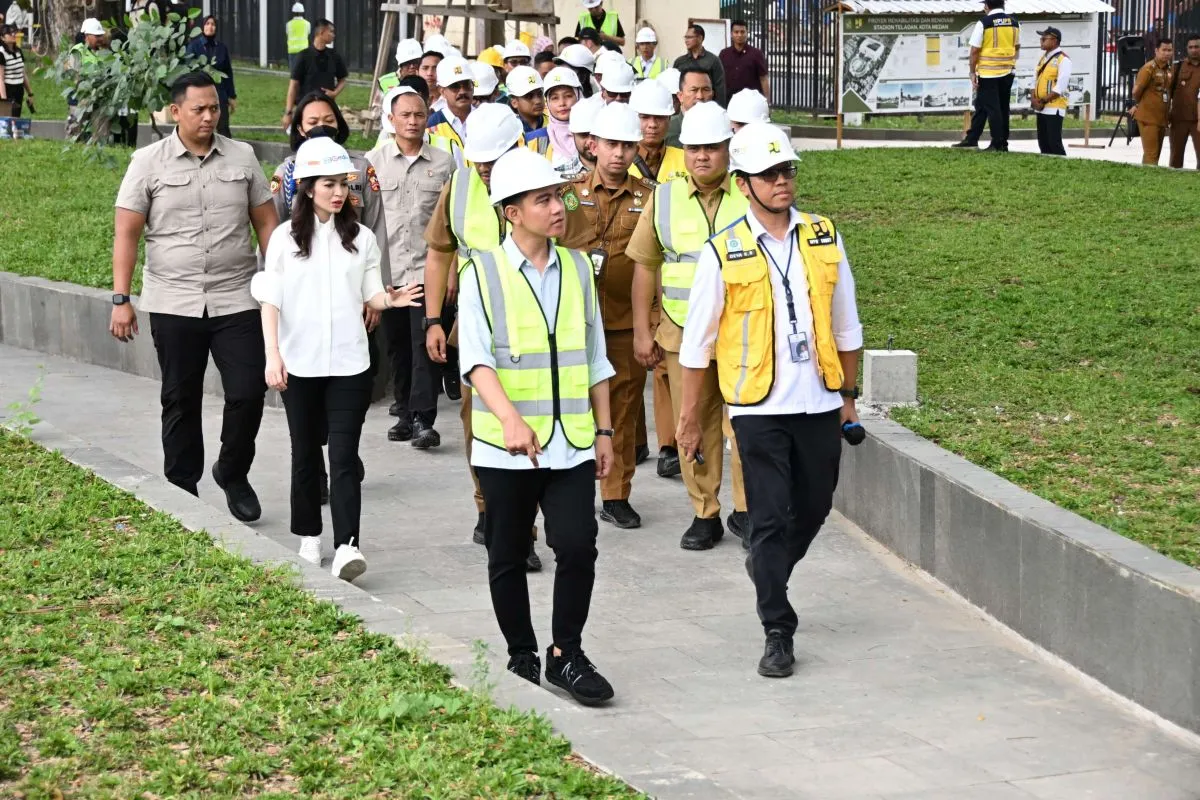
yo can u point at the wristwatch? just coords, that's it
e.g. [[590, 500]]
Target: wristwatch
[[429, 322], [604, 432], [851, 393], [120, 299]]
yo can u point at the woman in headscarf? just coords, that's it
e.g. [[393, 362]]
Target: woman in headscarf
[[208, 45], [562, 93]]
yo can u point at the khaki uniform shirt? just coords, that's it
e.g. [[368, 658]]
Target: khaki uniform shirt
[[410, 192], [1152, 93], [1187, 84], [438, 233], [646, 249], [598, 217], [198, 253]]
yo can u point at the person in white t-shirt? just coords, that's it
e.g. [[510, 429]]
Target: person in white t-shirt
[[321, 267]]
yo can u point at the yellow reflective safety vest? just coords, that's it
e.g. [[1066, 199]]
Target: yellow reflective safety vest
[[1047, 77], [297, 29], [683, 228], [444, 132], [473, 219], [745, 350], [673, 166], [656, 67], [544, 373], [998, 54], [609, 26]]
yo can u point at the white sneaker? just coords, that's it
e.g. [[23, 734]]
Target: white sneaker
[[310, 549], [348, 563]]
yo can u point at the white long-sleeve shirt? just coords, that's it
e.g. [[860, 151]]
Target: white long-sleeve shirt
[[798, 387], [1060, 85], [320, 299]]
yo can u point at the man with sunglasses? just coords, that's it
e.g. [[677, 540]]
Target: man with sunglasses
[[772, 302]]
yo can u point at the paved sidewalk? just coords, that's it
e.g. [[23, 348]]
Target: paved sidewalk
[[902, 691]]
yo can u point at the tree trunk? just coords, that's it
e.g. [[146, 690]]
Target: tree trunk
[[62, 19]]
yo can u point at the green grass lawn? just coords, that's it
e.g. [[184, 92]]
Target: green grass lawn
[[138, 660], [927, 122]]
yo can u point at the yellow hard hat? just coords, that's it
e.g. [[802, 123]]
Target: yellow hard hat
[[491, 57]]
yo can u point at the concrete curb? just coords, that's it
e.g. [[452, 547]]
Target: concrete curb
[[578, 724]]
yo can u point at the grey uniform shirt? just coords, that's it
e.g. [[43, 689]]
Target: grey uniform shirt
[[198, 252], [410, 191]]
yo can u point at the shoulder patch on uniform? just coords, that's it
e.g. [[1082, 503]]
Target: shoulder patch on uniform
[[649, 183], [372, 179], [570, 199], [276, 184], [355, 200], [822, 231]]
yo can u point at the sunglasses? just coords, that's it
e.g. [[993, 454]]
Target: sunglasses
[[517, 61], [771, 175]]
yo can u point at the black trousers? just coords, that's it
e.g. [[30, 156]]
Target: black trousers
[[223, 121], [568, 502], [333, 408], [426, 375], [16, 94], [1049, 132], [397, 329], [183, 345], [992, 101], [790, 463], [126, 133]]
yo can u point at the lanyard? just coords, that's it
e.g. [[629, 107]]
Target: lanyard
[[783, 275]]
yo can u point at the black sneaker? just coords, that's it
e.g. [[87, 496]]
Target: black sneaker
[[424, 436], [641, 453], [398, 410], [703, 534], [527, 666], [402, 431], [477, 534], [739, 524], [532, 562], [453, 386], [966, 144], [575, 674], [668, 462], [239, 496], [620, 513], [777, 657]]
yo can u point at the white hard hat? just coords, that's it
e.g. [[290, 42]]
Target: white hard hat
[[515, 49], [388, 99], [436, 43], [523, 80], [297, 8], [590, 4], [408, 50], [608, 60], [485, 78], [618, 78], [653, 99], [560, 76], [705, 123], [450, 51], [646, 36], [521, 170], [583, 114], [758, 147], [749, 105], [492, 130], [669, 78], [617, 122], [452, 70], [321, 156], [577, 55], [91, 27]]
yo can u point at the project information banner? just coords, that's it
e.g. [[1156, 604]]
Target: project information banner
[[914, 63]]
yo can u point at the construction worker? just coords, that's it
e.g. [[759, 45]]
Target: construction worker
[[583, 116], [772, 302], [603, 208], [1049, 97], [528, 101], [297, 31], [463, 221], [678, 220], [646, 64], [436, 48], [487, 85], [533, 348], [581, 60], [408, 62], [615, 78], [448, 127], [995, 48], [655, 158], [561, 86], [515, 54], [605, 23], [748, 105]]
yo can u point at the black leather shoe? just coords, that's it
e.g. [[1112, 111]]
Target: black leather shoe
[[777, 660], [738, 524], [398, 410], [532, 562], [641, 454], [453, 386], [424, 436], [994, 149], [477, 534], [527, 666], [577, 675], [703, 534], [966, 145], [668, 462], [402, 431], [240, 496], [620, 513]]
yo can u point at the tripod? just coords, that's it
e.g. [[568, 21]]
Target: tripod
[[1128, 122]]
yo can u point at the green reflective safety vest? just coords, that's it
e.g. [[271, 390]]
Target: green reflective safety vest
[[473, 219], [86, 55], [609, 26], [656, 67], [389, 81], [545, 374], [297, 34], [683, 228]]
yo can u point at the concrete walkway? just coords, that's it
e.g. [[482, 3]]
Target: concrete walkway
[[903, 691]]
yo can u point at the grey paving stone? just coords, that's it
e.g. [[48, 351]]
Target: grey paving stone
[[1124, 782], [852, 740], [850, 778]]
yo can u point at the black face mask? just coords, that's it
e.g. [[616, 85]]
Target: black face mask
[[318, 131]]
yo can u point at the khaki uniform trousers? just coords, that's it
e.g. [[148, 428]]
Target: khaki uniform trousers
[[1152, 141], [664, 414], [1181, 130], [703, 481], [626, 392]]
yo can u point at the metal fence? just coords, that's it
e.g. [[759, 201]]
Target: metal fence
[[1153, 20]]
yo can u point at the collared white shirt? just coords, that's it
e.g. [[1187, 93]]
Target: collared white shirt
[[320, 299], [977, 31], [798, 388], [459, 125], [437, 105], [475, 350], [1061, 85]]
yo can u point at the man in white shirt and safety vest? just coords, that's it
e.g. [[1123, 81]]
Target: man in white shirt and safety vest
[[533, 349], [772, 302], [1049, 98], [647, 64], [606, 23], [995, 46], [297, 30], [668, 239]]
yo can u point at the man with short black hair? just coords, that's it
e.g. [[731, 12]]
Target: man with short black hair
[[606, 24], [995, 47], [1183, 116], [318, 69], [745, 66], [697, 57], [1152, 98], [590, 38], [695, 86]]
